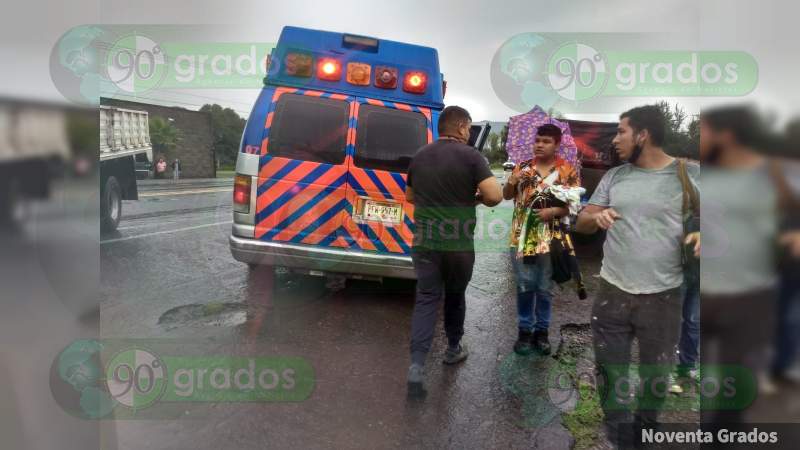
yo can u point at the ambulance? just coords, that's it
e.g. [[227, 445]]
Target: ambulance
[[321, 173]]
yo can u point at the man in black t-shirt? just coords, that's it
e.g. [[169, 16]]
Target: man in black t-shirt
[[446, 179]]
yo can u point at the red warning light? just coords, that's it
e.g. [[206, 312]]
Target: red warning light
[[329, 69], [386, 77], [415, 82]]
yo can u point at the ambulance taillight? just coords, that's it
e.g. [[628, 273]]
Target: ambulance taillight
[[415, 82], [385, 77], [241, 194], [297, 64], [329, 69]]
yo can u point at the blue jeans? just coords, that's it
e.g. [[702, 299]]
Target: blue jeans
[[689, 344], [533, 292]]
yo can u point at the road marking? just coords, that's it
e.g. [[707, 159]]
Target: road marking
[[196, 191], [156, 233]]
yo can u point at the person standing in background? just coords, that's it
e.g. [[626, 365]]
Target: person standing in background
[[176, 169]]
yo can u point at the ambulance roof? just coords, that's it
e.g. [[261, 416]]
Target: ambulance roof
[[347, 48]]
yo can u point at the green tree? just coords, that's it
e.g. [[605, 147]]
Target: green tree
[[163, 135], [227, 128], [83, 134], [681, 138], [504, 138], [495, 152]]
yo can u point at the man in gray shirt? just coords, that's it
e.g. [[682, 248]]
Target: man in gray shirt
[[639, 204]]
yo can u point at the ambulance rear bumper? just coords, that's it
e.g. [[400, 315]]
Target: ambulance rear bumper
[[324, 259]]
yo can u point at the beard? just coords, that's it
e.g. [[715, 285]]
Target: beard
[[713, 155], [637, 152]]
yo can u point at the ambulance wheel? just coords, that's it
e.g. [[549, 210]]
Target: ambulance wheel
[[110, 205]]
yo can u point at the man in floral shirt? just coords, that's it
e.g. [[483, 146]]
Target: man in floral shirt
[[536, 221]]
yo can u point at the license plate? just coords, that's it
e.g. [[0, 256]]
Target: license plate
[[391, 213]]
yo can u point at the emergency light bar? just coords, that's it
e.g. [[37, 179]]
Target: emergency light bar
[[356, 66]]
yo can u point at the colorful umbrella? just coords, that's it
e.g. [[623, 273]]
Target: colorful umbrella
[[522, 133]]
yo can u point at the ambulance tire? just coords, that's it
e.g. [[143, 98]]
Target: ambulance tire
[[110, 205]]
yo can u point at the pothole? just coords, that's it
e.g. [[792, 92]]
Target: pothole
[[205, 315]]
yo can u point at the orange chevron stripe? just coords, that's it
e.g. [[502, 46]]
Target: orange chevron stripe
[[324, 229], [389, 241], [264, 144], [307, 219], [363, 241], [283, 90], [352, 109], [427, 113], [430, 136], [307, 193], [338, 96], [260, 231], [313, 93], [268, 123], [391, 185], [403, 106], [361, 176], [375, 102], [271, 168], [339, 242], [282, 186]]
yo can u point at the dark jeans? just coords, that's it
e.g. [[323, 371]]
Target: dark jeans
[[788, 332], [689, 345], [617, 318], [737, 329], [439, 274]]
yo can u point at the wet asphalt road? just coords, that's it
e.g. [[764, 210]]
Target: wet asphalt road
[[169, 264]]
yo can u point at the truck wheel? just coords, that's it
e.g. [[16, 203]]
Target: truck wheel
[[110, 205]]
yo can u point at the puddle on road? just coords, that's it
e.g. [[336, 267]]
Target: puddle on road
[[546, 386], [204, 315]]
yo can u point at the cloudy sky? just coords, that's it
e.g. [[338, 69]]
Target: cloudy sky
[[466, 33]]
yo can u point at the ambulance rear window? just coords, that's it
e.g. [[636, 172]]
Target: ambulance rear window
[[388, 138], [309, 128]]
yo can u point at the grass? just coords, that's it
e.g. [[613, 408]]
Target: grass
[[225, 173], [585, 420]]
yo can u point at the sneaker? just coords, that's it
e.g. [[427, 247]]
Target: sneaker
[[416, 375], [541, 342], [523, 344], [675, 385], [684, 380], [454, 355]]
